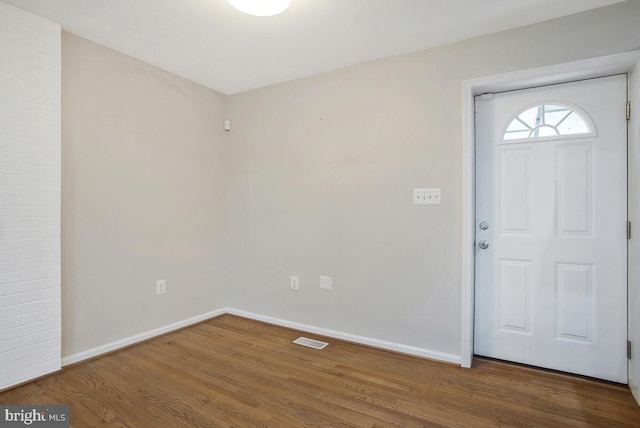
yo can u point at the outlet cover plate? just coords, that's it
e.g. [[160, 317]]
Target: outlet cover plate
[[161, 286], [326, 282]]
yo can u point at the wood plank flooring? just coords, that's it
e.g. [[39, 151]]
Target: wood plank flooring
[[234, 372]]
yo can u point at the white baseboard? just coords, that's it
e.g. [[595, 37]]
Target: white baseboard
[[376, 343], [109, 347]]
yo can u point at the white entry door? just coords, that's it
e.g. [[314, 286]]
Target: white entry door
[[551, 215]]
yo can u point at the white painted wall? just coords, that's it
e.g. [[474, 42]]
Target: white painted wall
[[321, 173], [29, 196]]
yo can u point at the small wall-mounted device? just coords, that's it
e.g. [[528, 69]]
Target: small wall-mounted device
[[227, 125]]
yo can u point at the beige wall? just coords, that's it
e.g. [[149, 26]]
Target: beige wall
[[143, 196], [316, 178], [321, 175]]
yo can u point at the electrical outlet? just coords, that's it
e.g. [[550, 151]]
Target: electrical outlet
[[326, 282], [427, 196], [161, 286], [295, 283]]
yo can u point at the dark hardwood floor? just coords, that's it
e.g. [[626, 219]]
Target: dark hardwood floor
[[234, 372]]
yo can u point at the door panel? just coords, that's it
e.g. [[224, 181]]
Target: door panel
[[574, 297], [574, 178], [515, 295], [551, 282], [515, 192]]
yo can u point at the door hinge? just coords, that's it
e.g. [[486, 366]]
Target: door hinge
[[628, 230], [628, 110], [628, 349]]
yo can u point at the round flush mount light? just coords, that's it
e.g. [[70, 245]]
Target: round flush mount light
[[260, 7]]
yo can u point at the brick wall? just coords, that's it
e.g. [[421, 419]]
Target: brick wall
[[30, 161]]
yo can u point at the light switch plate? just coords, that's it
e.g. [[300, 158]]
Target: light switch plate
[[431, 196]]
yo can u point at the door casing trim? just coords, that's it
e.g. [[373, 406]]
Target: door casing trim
[[560, 73]]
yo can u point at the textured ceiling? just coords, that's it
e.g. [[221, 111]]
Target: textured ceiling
[[211, 43]]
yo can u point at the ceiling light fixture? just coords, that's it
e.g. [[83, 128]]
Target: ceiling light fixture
[[260, 7]]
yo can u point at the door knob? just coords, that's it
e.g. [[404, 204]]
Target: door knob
[[483, 244]]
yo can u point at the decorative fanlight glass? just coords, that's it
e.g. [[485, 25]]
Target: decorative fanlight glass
[[547, 120]]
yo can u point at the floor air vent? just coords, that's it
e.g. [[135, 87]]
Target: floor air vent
[[315, 344]]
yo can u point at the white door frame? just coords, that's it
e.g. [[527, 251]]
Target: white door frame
[[590, 68]]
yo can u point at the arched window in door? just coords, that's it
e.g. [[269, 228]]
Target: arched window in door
[[547, 121]]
